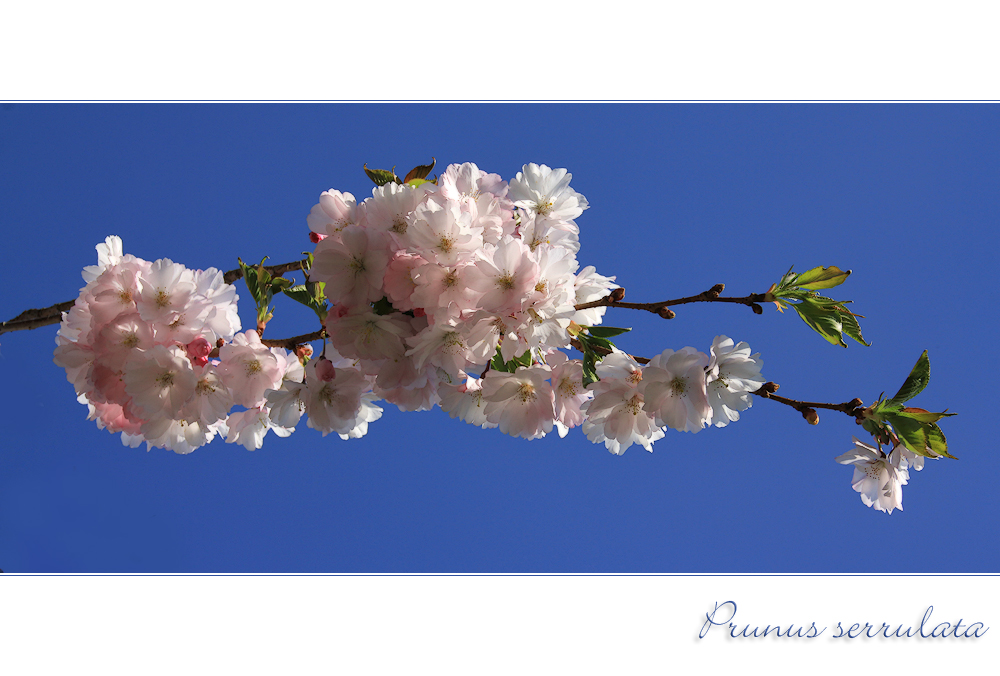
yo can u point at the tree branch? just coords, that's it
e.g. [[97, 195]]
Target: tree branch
[[852, 408], [33, 319], [661, 308], [293, 342]]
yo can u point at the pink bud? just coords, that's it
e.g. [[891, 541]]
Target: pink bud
[[316, 238], [198, 349], [418, 312], [325, 370]]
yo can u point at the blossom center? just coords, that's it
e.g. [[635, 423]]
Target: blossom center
[[165, 379], [204, 387], [634, 378], [399, 225], [634, 405], [678, 386], [526, 393], [253, 367], [447, 244], [544, 208], [450, 279], [357, 265], [162, 298], [506, 282], [567, 387], [130, 340]]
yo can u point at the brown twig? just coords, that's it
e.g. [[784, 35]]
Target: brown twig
[[294, 341], [613, 299], [33, 319], [852, 408]]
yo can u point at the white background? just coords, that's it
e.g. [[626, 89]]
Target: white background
[[514, 51]]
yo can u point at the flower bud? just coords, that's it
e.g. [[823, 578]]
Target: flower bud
[[617, 294], [811, 416], [715, 291], [757, 309], [666, 313], [316, 238]]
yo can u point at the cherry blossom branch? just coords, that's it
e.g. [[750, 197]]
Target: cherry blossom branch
[[661, 308], [808, 408], [37, 318], [852, 408]]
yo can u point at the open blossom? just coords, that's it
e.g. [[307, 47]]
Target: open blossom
[[733, 374], [520, 403], [569, 392], [249, 369], [464, 400], [877, 477], [673, 385], [616, 415], [352, 267], [546, 191]]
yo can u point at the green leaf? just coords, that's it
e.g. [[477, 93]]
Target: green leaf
[[922, 415], [382, 176], [602, 342], [914, 384], [420, 171], [823, 320], [309, 261], [589, 366], [279, 284], [820, 278], [606, 331], [937, 442], [307, 295], [911, 433], [497, 363], [523, 360], [849, 324], [886, 406], [383, 306]]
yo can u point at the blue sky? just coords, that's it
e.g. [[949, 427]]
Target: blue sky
[[682, 197]]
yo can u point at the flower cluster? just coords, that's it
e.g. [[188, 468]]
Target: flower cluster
[[138, 346], [431, 284]]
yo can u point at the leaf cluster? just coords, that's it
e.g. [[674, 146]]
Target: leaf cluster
[[828, 317], [594, 345], [413, 177], [916, 428], [263, 287]]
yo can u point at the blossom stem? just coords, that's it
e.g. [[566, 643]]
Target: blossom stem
[[294, 341], [852, 408], [613, 299], [37, 318]]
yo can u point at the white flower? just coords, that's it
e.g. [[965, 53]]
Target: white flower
[[353, 267], [464, 401], [733, 374], [249, 369], [546, 192], [160, 381], [615, 416], [673, 385], [520, 403], [877, 477]]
